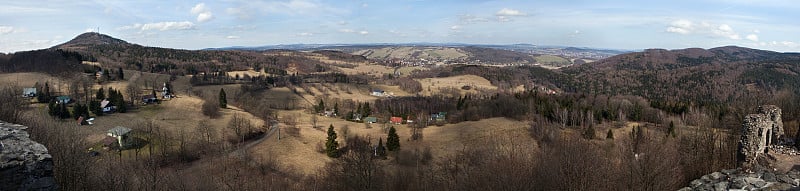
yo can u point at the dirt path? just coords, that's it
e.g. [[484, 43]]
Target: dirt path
[[241, 151]]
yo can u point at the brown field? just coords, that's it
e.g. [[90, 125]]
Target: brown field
[[28, 79], [432, 86], [374, 70]]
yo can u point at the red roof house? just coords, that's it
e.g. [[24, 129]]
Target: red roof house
[[396, 120]]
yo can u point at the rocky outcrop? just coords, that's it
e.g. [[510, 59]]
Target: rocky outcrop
[[24, 164], [758, 132], [738, 179]]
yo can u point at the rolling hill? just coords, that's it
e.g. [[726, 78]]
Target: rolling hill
[[704, 75]]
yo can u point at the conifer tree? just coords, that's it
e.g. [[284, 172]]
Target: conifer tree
[[100, 95], [392, 141], [671, 130], [380, 150], [223, 100], [610, 134], [331, 145]]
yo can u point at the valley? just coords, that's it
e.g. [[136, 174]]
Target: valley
[[465, 118]]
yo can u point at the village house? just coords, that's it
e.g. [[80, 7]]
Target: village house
[[28, 92], [370, 120], [147, 99], [121, 134], [63, 99], [438, 116], [377, 92], [107, 106], [356, 117], [396, 120], [330, 113]]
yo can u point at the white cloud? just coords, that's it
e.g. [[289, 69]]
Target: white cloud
[[305, 34], [505, 14], [6, 30], [686, 27], [469, 19], [199, 8], [725, 30], [232, 37], [455, 27], [509, 12], [362, 32], [202, 12], [160, 26], [752, 37], [203, 17]]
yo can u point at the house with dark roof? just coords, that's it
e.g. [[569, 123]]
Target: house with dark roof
[[151, 98], [107, 106]]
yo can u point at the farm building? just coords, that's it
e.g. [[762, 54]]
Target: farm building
[[107, 106], [377, 92], [121, 134], [147, 99], [28, 92], [63, 99], [370, 120], [396, 120], [438, 116]]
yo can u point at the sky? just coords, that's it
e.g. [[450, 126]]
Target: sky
[[616, 24]]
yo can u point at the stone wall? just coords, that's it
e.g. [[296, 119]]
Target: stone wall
[[758, 132], [24, 164]]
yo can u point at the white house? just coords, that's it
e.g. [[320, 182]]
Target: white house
[[377, 92], [28, 92], [121, 134]]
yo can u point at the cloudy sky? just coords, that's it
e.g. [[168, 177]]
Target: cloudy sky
[[618, 24]]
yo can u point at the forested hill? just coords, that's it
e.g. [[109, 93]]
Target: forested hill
[[113, 53], [692, 75]]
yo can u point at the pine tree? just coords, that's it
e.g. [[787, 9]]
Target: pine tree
[[100, 94], [671, 130], [610, 134], [392, 141], [44, 96], [120, 74], [320, 106], [331, 145], [223, 100], [94, 106], [336, 109], [63, 112], [380, 150], [589, 134], [367, 110], [53, 109]]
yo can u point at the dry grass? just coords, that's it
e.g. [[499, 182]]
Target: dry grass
[[28, 79], [431, 86]]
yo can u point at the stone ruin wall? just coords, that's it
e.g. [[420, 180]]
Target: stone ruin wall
[[758, 132], [24, 163]]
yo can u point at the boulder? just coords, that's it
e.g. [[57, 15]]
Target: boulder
[[24, 163]]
